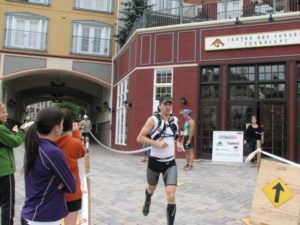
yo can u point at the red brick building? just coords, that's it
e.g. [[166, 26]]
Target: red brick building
[[224, 71]]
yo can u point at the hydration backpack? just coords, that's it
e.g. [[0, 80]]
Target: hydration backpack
[[159, 131]]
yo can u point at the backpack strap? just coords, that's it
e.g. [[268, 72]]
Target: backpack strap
[[173, 127], [159, 129]]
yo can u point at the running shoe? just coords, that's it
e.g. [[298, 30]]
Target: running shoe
[[146, 207], [189, 168]]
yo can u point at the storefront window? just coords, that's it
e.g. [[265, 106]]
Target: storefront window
[[210, 74], [242, 73], [271, 72], [270, 91], [241, 80], [298, 89], [209, 98], [298, 71], [250, 90], [239, 116], [208, 125], [268, 83], [242, 91], [210, 91], [210, 83]]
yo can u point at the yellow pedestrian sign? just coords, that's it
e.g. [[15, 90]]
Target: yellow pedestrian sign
[[278, 192]]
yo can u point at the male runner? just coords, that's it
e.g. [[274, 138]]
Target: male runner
[[162, 155]]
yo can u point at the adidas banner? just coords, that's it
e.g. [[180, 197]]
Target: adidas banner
[[228, 146]]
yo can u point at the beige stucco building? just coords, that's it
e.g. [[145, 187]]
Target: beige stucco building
[[58, 50]]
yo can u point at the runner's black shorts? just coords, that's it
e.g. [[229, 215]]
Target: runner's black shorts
[[186, 146], [168, 170]]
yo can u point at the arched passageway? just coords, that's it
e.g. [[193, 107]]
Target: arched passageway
[[24, 88]]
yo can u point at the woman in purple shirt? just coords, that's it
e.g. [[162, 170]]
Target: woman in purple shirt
[[47, 175]]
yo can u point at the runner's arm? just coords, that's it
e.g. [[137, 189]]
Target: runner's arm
[[192, 130]]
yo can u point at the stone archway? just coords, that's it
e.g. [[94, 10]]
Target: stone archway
[[24, 88]]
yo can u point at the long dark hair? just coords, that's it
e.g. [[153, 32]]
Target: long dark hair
[[46, 119], [67, 119]]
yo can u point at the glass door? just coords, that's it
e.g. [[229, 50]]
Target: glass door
[[208, 123], [273, 123], [209, 109]]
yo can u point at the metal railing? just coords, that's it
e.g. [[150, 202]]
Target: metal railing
[[91, 45], [43, 2], [226, 9], [25, 39]]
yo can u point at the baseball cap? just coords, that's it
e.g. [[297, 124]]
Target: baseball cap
[[187, 112], [165, 98]]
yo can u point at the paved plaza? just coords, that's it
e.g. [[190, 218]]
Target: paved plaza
[[212, 194]]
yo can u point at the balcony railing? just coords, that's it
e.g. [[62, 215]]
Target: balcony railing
[[42, 2], [25, 39], [226, 9], [91, 46]]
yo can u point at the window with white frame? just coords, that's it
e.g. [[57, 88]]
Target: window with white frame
[[165, 6], [39, 1], [230, 9], [96, 5], [43, 2], [121, 122], [92, 38], [163, 85], [25, 31]]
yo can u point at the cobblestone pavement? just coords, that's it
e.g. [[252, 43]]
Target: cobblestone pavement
[[211, 194]]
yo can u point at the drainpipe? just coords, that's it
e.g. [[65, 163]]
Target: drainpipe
[[181, 12], [225, 9]]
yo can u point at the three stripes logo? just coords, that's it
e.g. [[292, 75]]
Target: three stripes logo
[[220, 143]]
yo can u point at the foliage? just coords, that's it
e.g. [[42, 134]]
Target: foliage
[[133, 10], [75, 109]]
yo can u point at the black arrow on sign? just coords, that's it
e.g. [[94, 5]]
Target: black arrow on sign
[[278, 187]]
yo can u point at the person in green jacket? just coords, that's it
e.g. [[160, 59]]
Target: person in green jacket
[[9, 139]]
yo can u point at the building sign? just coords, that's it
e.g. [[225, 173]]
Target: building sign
[[228, 146], [256, 40]]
